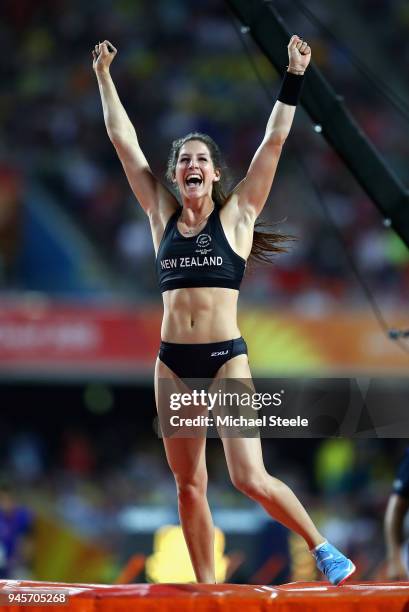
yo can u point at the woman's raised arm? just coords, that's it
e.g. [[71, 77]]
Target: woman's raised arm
[[148, 190], [253, 190]]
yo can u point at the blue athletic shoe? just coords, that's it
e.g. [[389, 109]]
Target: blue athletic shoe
[[332, 563]]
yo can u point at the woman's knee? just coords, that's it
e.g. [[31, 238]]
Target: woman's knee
[[191, 490], [252, 485]]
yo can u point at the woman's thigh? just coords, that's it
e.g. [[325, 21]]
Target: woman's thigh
[[185, 448], [243, 454]]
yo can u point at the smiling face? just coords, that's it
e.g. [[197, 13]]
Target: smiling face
[[195, 172]]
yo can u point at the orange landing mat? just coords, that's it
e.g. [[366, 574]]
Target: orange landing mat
[[299, 596]]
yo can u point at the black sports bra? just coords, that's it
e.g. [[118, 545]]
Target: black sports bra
[[205, 260]]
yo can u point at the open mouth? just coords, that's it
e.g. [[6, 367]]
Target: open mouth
[[194, 180]]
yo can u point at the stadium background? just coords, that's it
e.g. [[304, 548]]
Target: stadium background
[[79, 308]]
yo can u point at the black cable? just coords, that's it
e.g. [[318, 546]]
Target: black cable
[[382, 88], [339, 236], [396, 335]]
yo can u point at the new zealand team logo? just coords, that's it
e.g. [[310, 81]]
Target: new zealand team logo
[[203, 241]]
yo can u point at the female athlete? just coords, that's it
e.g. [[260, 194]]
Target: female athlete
[[202, 243]]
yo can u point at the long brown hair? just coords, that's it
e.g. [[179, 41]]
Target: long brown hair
[[265, 241]]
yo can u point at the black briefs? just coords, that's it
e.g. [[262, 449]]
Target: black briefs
[[200, 360]]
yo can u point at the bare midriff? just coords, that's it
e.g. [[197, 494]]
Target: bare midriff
[[200, 314]]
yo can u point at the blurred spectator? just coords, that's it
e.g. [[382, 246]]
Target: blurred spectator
[[11, 188], [16, 523], [397, 548], [25, 457], [77, 454], [334, 468]]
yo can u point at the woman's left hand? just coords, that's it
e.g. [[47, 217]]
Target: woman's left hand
[[299, 55]]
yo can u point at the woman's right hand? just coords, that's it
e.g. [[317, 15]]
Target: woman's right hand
[[102, 56]]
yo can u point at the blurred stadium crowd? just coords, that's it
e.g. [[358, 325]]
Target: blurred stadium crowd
[[117, 495], [181, 66]]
